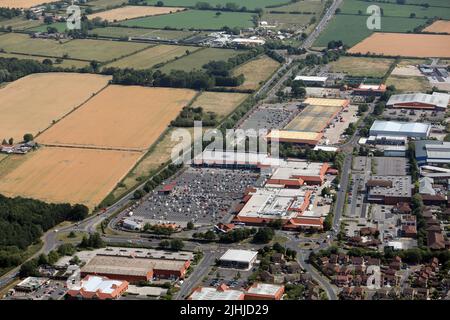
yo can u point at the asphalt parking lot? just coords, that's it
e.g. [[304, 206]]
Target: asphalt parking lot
[[200, 195], [269, 117], [391, 166]]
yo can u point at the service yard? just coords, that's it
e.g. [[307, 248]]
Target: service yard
[[120, 117], [256, 71], [130, 12], [83, 49], [152, 56], [402, 44], [22, 4], [71, 175], [32, 103], [361, 67], [313, 118]]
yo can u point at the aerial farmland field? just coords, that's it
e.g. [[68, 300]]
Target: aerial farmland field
[[71, 175], [83, 49], [409, 83], [256, 71], [130, 12], [19, 23], [305, 6], [199, 58], [66, 63], [22, 4], [152, 56], [288, 21], [249, 4], [404, 44], [221, 103], [32, 103], [339, 27], [120, 117], [194, 19], [361, 66], [118, 32], [105, 4], [440, 26]]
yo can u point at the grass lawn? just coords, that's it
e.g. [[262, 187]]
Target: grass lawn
[[194, 19], [221, 103], [200, 58], [339, 28], [118, 32], [249, 4], [412, 62], [409, 84], [152, 56], [435, 3], [83, 49], [256, 72], [60, 26], [105, 4], [360, 66], [280, 239], [305, 6], [64, 237], [67, 63], [395, 10]]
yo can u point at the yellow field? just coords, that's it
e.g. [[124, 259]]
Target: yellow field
[[361, 66], [22, 4], [152, 56], [130, 12], [405, 44], [440, 26], [120, 117], [30, 104], [256, 72], [62, 175], [221, 103]]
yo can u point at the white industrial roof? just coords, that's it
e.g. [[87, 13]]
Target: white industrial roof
[[98, 284], [264, 289], [438, 99], [239, 255], [311, 78], [207, 293], [394, 126]]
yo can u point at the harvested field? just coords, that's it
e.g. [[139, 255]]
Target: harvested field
[[152, 56], [313, 118], [83, 49], [409, 83], [106, 4], [130, 12], [256, 72], [119, 32], [22, 4], [68, 175], [200, 58], [120, 117], [402, 44], [361, 67], [32, 103], [221, 103], [440, 26]]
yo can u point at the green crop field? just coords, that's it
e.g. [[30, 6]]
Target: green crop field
[[435, 3], [195, 19], [66, 63], [339, 27], [305, 6], [105, 4], [200, 58], [60, 26], [76, 49], [288, 21], [394, 10], [118, 32], [249, 4], [152, 56], [19, 23]]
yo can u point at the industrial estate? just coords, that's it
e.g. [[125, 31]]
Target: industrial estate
[[339, 189]]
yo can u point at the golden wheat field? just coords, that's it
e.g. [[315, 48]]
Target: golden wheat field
[[32, 103], [120, 117], [130, 12], [22, 4], [71, 175]]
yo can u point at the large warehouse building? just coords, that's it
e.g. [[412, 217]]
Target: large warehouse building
[[432, 152], [403, 129], [436, 101]]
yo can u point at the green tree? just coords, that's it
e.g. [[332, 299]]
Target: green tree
[[176, 244]]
